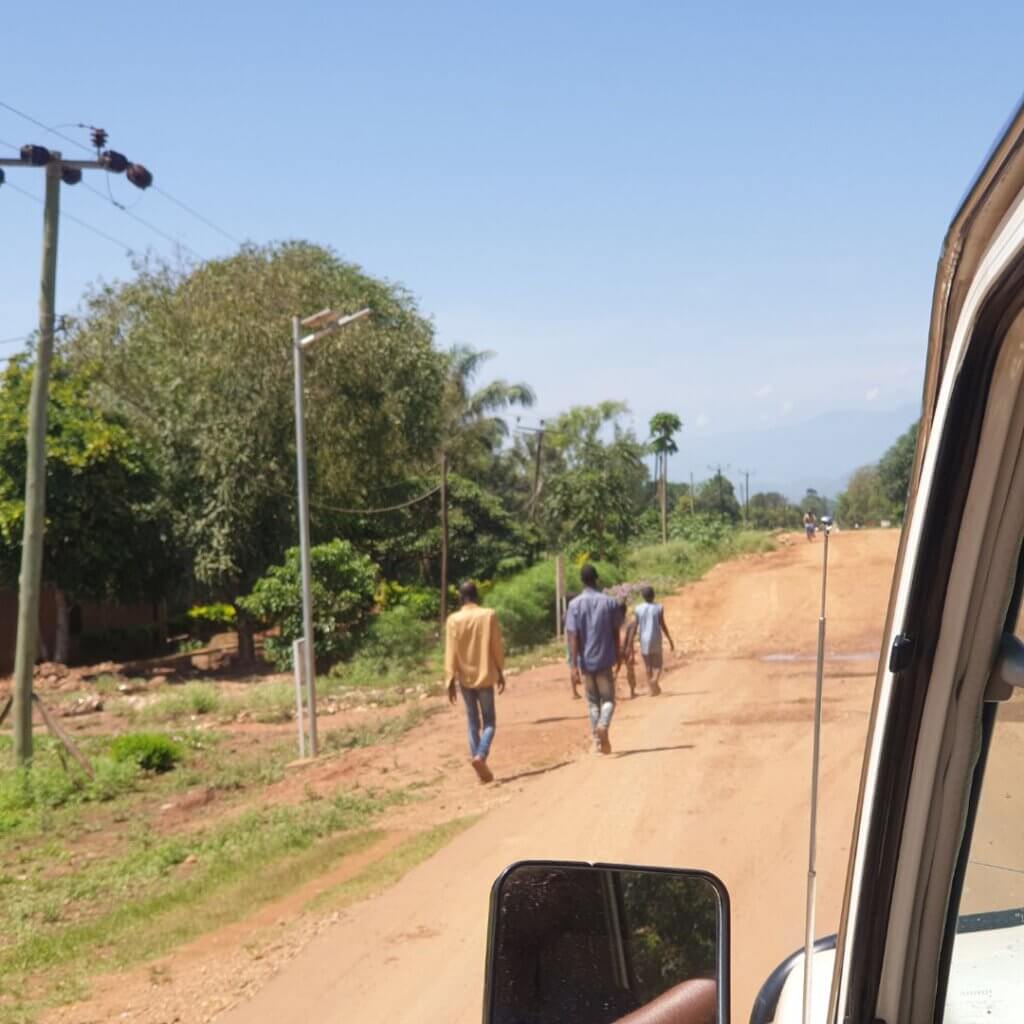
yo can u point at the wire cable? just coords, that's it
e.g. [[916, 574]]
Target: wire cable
[[81, 145], [145, 223], [11, 341], [45, 127], [198, 216], [70, 216], [380, 511]]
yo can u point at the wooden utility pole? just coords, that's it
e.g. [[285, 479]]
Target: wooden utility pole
[[746, 493], [444, 542], [35, 478], [693, 507], [57, 170], [663, 482]]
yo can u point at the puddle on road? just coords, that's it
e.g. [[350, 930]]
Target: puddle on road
[[835, 656]]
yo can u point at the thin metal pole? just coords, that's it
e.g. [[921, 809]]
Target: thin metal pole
[[35, 478], [444, 542], [812, 857], [300, 714], [307, 584]]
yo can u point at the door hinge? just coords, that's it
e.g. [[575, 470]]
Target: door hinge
[[902, 653]]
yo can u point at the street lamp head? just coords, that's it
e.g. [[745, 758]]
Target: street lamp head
[[37, 156], [71, 175], [116, 163], [328, 321], [139, 176]]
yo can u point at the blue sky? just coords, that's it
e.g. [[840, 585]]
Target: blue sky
[[732, 211]]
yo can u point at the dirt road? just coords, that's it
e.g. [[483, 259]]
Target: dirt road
[[713, 774]]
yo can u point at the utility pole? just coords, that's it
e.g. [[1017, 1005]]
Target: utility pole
[[663, 485], [57, 170], [746, 474], [444, 542], [693, 507], [721, 491]]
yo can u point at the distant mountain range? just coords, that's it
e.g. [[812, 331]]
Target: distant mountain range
[[821, 452]]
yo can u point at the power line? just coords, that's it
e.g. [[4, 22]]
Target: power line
[[167, 195], [70, 216], [11, 341], [45, 127], [198, 216], [145, 223], [377, 511]]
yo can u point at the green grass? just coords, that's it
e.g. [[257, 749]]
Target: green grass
[[393, 865], [381, 730], [668, 566], [106, 915]]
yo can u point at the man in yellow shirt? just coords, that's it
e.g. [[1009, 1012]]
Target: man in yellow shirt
[[474, 657]]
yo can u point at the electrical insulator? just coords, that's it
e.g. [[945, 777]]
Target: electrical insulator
[[99, 138], [116, 163], [37, 156], [71, 175], [139, 176]]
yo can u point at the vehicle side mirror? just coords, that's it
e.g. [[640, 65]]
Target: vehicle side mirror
[[606, 944]]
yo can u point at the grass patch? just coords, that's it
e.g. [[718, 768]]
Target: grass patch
[[393, 865], [165, 891], [193, 700], [379, 731], [667, 566]]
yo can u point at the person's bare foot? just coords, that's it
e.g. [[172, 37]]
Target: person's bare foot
[[655, 689], [480, 767], [575, 695], [601, 733]]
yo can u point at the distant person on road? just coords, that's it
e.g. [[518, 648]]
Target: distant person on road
[[809, 524], [474, 657], [592, 624], [649, 624]]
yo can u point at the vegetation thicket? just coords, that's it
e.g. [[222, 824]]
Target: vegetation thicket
[[171, 473]]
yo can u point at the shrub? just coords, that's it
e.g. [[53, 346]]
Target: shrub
[[343, 595], [525, 603], [151, 751], [206, 620]]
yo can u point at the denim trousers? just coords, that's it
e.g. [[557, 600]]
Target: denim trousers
[[480, 719], [600, 687]]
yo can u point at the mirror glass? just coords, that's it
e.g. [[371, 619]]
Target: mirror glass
[[606, 944]]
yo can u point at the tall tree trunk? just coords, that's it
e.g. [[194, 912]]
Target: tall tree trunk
[[246, 637], [444, 543], [62, 640]]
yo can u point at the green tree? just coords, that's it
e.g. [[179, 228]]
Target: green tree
[[815, 503], [864, 501], [472, 429], [894, 469], [198, 359], [596, 495], [343, 589], [106, 531], [717, 496], [773, 511]]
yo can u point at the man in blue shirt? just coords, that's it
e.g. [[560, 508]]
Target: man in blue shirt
[[592, 624]]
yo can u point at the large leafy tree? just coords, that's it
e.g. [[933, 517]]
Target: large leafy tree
[[770, 510], [864, 501], [199, 361], [894, 469], [106, 530], [717, 496], [596, 495]]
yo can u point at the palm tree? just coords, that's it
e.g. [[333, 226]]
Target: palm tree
[[471, 429], [664, 426]]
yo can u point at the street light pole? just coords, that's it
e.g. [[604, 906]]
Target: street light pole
[[325, 322], [308, 654]]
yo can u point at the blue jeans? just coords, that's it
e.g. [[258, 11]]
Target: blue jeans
[[479, 712], [600, 687]]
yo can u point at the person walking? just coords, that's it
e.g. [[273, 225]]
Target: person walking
[[474, 658], [809, 524], [649, 624], [592, 624]]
